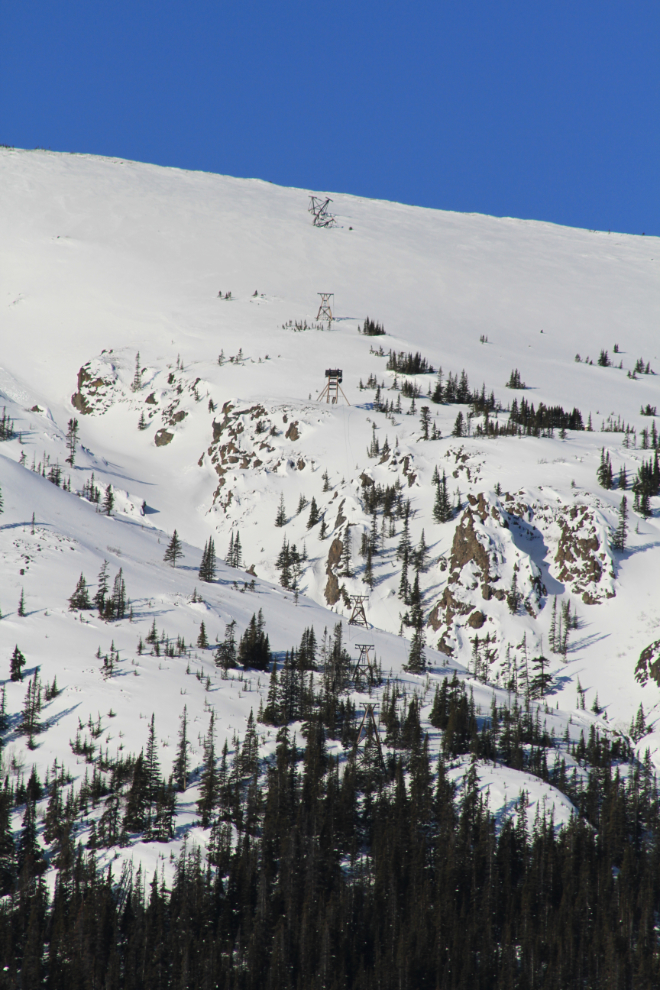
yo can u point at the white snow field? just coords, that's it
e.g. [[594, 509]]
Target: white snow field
[[102, 258]]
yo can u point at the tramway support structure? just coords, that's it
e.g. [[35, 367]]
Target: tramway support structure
[[325, 307], [333, 389], [358, 615], [368, 734], [365, 665], [321, 216]]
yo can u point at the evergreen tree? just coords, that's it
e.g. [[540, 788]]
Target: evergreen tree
[[108, 500], [552, 636], [442, 510], [416, 654], [459, 427], [425, 421], [102, 588], [254, 647], [80, 597], [208, 565], [280, 518], [16, 665], [313, 514], [202, 639], [225, 655], [72, 440], [604, 473], [541, 680], [136, 817], [346, 570], [209, 782], [420, 556], [368, 576], [238, 551], [621, 533], [152, 774], [21, 604], [174, 551], [136, 384], [115, 604], [182, 759]]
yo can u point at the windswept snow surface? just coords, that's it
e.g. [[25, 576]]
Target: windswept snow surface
[[102, 258]]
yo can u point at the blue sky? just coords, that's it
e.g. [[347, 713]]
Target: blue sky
[[529, 109]]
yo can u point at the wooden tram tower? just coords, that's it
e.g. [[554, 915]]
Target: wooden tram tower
[[325, 309], [365, 665], [358, 615], [333, 386], [368, 734]]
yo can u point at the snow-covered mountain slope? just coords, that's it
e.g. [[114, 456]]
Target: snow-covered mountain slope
[[210, 278]]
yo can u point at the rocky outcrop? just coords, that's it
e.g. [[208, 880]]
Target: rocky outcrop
[[648, 664], [163, 437], [332, 589], [96, 381], [583, 559], [485, 569]]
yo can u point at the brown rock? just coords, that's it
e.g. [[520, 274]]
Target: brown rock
[[476, 620], [163, 437]]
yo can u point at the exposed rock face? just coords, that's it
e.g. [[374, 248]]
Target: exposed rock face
[[481, 568], [163, 437], [245, 439], [96, 380], [582, 558], [332, 589], [648, 664]]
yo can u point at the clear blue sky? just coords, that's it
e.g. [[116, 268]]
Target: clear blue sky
[[547, 110]]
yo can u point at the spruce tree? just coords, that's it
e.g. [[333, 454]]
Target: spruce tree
[[16, 665], [425, 421], [238, 551], [182, 759], [313, 514], [102, 588], [604, 473], [621, 532], [108, 500], [174, 551], [152, 774], [280, 518], [416, 654], [254, 645], [225, 655], [202, 639], [80, 598], [346, 553], [442, 510], [21, 604], [459, 427], [208, 565], [72, 440], [115, 606], [368, 576], [135, 817], [209, 783], [136, 384]]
